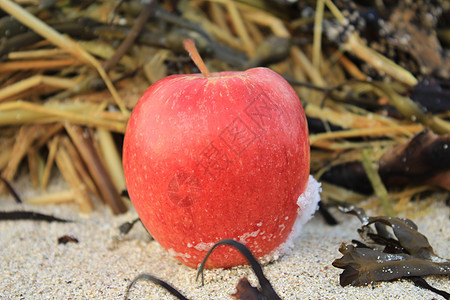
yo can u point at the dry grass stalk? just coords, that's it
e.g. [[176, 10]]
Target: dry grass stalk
[[317, 42], [59, 197], [264, 19], [378, 61], [361, 132], [15, 66], [218, 16], [35, 166], [344, 118], [412, 111], [68, 171], [404, 197], [51, 131], [52, 148], [111, 158], [303, 62], [40, 53], [26, 136], [240, 28], [134, 32], [9, 91], [254, 31], [155, 68], [377, 184], [84, 144], [20, 112], [61, 41], [28, 141], [80, 166], [7, 149], [339, 146], [224, 36], [214, 26], [330, 191], [351, 68], [106, 51]]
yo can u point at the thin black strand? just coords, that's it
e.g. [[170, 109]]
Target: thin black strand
[[156, 281], [266, 288]]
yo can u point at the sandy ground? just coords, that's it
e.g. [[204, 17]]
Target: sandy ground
[[34, 266]]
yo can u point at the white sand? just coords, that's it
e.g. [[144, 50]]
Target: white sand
[[100, 266]]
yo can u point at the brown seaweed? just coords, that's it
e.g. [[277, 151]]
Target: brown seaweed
[[384, 256], [364, 266], [414, 243], [350, 175], [424, 158], [433, 94]]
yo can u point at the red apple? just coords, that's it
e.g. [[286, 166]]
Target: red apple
[[217, 156]]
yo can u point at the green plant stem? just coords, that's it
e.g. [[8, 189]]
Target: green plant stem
[[377, 184]]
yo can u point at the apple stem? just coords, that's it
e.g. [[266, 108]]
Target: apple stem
[[189, 46]]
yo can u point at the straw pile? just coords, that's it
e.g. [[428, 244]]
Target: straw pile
[[67, 86]]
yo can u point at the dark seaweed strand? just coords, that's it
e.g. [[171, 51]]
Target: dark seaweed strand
[[328, 217], [359, 244], [124, 193], [29, 215], [420, 282], [11, 190], [266, 288], [127, 226], [156, 281]]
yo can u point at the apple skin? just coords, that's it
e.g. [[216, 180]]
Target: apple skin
[[218, 157]]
